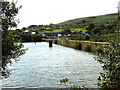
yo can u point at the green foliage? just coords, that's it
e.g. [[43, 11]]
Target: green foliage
[[103, 37], [87, 48], [78, 46], [99, 50], [75, 30], [90, 26], [86, 21], [31, 38], [110, 60], [73, 37], [96, 30], [11, 46], [80, 23], [97, 26], [58, 30]]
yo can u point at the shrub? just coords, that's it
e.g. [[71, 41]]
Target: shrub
[[78, 46], [31, 38], [99, 49], [110, 58], [87, 48]]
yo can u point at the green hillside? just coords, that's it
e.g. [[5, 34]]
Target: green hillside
[[97, 20], [100, 28], [106, 20]]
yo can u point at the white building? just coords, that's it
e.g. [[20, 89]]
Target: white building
[[33, 32]]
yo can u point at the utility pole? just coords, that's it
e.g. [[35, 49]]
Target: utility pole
[[118, 24], [0, 37], [119, 15]]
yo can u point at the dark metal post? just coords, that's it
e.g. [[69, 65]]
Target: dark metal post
[[118, 26], [118, 21], [0, 38], [50, 43]]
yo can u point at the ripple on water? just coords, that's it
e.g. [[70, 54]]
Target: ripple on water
[[42, 66]]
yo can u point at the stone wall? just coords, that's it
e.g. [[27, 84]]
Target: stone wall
[[93, 45]]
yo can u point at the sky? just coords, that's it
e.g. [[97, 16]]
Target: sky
[[44, 12]]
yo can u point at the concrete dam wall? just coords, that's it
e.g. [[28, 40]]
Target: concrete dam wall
[[74, 43]]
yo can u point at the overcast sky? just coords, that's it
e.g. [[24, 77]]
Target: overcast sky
[[43, 12]]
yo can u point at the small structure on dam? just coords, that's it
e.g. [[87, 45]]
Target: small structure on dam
[[50, 43]]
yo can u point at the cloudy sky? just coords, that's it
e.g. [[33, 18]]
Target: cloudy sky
[[43, 12]]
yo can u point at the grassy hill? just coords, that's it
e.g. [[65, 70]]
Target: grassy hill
[[100, 28], [106, 20], [85, 21]]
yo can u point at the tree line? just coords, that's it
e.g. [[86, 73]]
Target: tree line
[[12, 48]]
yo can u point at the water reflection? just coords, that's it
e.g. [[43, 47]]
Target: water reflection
[[42, 66]]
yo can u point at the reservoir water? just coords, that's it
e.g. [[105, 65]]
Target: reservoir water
[[42, 66]]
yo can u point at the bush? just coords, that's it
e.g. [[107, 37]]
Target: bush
[[99, 49], [87, 48], [110, 60], [78, 46], [31, 38]]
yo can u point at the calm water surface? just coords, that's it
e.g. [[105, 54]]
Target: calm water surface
[[42, 66]]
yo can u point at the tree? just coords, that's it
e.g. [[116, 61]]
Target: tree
[[66, 31], [11, 46], [32, 27], [96, 30], [110, 60], [90, 27]]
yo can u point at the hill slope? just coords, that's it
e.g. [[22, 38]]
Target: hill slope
[[100, 28], [97, 20]]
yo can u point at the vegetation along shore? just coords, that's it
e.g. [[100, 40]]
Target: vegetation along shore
[[95, 33]]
